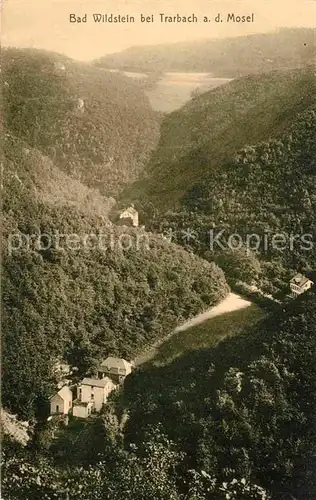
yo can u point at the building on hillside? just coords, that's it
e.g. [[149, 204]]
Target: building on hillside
[[300, 284], [129, 217], [82, 409], [95, 391], [59, 66], [80, 105], [115, 368], [61, 402]]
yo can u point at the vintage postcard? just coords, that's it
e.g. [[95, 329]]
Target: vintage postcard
[[158, 250]]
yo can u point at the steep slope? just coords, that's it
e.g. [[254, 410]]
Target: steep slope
[[97, 126], [28, 173], [243, 409], [75, 286], [236, 421], [211, 128], [261, 203], [83, 303], [230, 57], [13, 429]]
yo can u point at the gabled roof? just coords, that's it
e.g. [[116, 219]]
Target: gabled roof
[[64, 393], [128, 212], [118, 363], [96, 382], [300, 280]]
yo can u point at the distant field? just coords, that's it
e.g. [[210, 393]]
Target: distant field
[[206, 335], [173, 90]]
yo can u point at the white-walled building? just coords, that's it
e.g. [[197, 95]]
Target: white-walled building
[[81, 409], [95, 391], [300, 284], [61, 402], [129, 217]]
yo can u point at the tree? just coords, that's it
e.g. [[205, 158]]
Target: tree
[[239, 265]]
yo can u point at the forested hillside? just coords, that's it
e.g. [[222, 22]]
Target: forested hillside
[[246, 408], [212, 127], [30, 176], [97, 126], [229, 57], [266, 195], [75, 286], [207, 186], [233, 422]]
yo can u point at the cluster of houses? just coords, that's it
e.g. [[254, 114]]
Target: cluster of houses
[[91, 393]]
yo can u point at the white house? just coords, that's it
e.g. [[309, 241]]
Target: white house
[[129, 217], [81, 409], [300, 284], [61, 402], [115, 368], [95, 391]]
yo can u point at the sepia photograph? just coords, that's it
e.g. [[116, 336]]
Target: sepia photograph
[[158, 250]]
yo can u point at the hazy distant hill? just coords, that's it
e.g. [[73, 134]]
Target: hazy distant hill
[[230, 57], [212, 127], [97, 126]]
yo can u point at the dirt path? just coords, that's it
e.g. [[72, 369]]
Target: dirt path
[[232, 302]]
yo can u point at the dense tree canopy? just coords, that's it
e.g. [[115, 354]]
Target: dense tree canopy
[[233, 422], [262, 200], [244, 409], [209, 130], [245, 426], [97, 125], [77, 287]]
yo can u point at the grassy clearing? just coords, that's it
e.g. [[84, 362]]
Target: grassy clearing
[[206, 335]]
